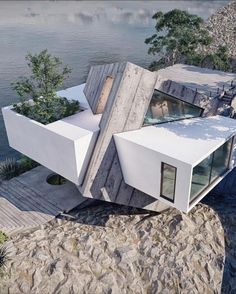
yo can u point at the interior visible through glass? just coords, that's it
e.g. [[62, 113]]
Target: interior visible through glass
[[168, 181], [166, 108], [210, 169]]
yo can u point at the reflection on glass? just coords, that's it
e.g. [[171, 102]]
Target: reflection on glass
[[221, 160], [165, 108], [201, 176], [210, 169], [168, 181]]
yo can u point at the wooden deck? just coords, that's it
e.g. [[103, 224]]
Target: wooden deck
[[22, 208], [28, 201]]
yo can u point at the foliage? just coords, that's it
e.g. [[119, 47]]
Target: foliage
[[3, 259], [3, 237], [47, 110], [9, 168], [27, 164], [178, 35], [47, 75], [219, 60]]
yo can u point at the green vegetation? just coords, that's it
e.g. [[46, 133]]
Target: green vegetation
[[10, 167], [3, 260], [56, 179], [26, 164], [47, 75], [3, 253], [178, 39], [3, 237]]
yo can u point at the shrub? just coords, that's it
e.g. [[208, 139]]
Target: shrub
[[3, 259], [45, 110], [9, 168], [47, 75], [3, 237], [27, 164]]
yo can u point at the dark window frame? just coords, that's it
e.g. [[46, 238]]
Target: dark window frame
[[220, 175], [162, 176], [179, 119]]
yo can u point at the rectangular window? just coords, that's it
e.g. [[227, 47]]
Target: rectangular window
[[165, 108], [168, 179], [211, 168]]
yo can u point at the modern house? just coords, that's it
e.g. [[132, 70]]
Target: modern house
[[145, 139]]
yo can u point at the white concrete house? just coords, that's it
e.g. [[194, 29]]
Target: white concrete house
[[144, 139]]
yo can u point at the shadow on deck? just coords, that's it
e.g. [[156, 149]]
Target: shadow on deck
[[29, 201]]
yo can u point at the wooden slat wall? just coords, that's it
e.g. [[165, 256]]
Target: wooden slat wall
[[125, 109], [95, 81]]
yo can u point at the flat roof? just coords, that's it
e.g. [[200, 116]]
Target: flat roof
[[189, 140], [79, 124], [204, 79]]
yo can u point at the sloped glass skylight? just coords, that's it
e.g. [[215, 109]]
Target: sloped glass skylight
[[165, 108]]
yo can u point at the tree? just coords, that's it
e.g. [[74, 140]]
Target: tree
[[178, 35], [47, 76], [219, 60]]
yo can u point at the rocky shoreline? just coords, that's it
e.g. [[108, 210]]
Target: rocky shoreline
[[115, 249], [222, 27]]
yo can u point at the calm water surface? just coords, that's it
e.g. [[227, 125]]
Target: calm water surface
[[81, 33]]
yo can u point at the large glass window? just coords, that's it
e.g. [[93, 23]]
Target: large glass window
[[221, 160], [201, 176], [166, 108], [210, 169], [168, 178]]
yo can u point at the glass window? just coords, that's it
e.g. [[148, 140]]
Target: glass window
[[221, 160], [210, 169], [166, 108], [201, 176], [168, 177]]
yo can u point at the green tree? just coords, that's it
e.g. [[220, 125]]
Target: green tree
[[47, 75], [219, 60], [178, 35]]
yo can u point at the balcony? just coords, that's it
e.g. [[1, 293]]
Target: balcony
[[64, 146]]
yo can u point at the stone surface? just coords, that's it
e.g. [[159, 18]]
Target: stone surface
[[222, 27], [115, 249]]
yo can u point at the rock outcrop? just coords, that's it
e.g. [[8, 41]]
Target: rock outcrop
[[115, 249], [222, 27]]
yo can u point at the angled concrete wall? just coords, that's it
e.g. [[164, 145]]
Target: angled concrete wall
[[125, 109]]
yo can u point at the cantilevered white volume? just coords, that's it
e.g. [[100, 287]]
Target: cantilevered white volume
[[178, 162], [64, 146]]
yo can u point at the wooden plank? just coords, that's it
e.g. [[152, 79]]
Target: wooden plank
[[124, 194], [94, 84], [134, 121], [125, 110], [23, 203], [113, 182], [113, 121]]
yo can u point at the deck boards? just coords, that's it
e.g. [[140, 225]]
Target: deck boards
[[21, 208]]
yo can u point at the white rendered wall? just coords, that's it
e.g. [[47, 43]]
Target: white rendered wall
[[65, 148], [141, 168]]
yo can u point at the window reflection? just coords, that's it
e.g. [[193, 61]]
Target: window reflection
[[168, 176], [165, 108], [210, 169]]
